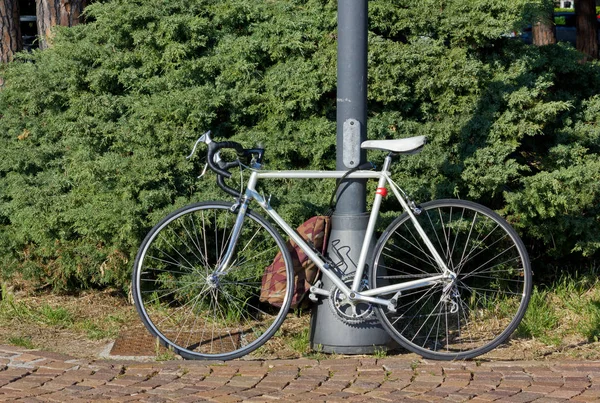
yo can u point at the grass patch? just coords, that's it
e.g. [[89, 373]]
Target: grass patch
[[563, 319], [380, 352], [539, 318], [163, 354], [94, 331], [21, 342], [63, 323], [54, 316], [100, 328], [300, 341], [318, 354], [567, 309], [95, 326]]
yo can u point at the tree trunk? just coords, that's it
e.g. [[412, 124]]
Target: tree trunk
[[543, 30], [56, 12], [11, 40], [587, 27]]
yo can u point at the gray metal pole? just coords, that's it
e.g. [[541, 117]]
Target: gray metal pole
[[351, 100], [330, 331]]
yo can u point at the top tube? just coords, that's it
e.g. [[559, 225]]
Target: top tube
[[318, 174]]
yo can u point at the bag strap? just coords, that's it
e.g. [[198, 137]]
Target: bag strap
[[327, 231], [332, 202]]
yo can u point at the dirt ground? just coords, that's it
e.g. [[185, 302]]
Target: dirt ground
[[86, 325]]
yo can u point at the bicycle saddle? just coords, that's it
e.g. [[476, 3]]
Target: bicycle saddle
[[400, 146]]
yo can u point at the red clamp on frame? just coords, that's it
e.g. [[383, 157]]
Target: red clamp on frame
[[382, 191]]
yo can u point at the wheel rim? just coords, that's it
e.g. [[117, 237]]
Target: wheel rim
[[465, 316], [191, 308]]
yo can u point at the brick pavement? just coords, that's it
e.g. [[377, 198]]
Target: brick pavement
[[38, 376]]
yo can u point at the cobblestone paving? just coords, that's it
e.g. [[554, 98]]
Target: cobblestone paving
[[37, 376]]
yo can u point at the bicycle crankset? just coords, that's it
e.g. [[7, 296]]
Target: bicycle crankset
[[350, 312]]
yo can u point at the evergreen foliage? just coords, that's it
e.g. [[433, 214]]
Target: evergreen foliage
[[95, 129]]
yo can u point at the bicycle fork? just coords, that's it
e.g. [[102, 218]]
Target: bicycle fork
[[223, 266]]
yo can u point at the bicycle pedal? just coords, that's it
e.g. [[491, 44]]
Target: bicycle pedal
[[393, 302], [316, 291], [311, 295]]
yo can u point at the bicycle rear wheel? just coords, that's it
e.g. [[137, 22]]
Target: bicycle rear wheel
[[461, 318], [191, 309]]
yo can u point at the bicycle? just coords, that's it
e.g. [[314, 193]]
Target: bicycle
[[448, 279]]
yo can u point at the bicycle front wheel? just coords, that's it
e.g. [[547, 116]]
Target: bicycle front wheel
[[466, 316], [197, 312]]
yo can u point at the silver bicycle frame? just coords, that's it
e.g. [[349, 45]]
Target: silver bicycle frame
[[352, 293]]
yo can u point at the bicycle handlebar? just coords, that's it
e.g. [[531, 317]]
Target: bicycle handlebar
[[214, 147], [221, 181], [220, 167]]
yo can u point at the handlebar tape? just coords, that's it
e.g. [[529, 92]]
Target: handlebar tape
[[214, 147]]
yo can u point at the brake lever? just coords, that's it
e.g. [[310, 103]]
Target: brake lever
[[205, 138], [203, 171], [216, 158]]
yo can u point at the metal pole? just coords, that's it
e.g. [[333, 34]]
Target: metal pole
[[331, 332], [351, 100]]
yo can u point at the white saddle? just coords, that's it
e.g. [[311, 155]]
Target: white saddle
[[405, 146]]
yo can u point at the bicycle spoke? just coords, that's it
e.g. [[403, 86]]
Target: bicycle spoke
[[182, 325], [421, 302], [233, 343], [425, 321], [404, 263], [176, 310], [467, 241], [223, 241], [424, 250], [482, 250], [492, 269], [462, 216], [192, 251], [177, 252], [170, 263], [436, 232], [172, 291], [411, 255]]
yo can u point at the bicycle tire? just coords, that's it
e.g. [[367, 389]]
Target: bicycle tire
[[194, 313], [470, 315]]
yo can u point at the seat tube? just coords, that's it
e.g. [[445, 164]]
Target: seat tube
[[381, 191]]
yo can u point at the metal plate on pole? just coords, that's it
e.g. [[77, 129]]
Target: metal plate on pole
[[350, 151]]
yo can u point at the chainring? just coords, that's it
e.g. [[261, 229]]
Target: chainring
[[351, 313]]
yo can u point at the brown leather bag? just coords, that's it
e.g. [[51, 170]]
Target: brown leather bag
[[315, 230]]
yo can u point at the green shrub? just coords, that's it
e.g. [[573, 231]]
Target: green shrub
[[95, 129]]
